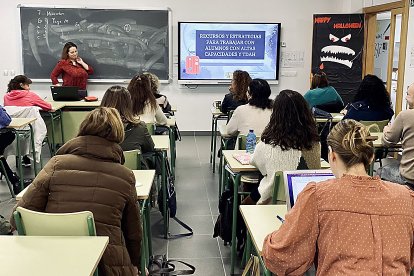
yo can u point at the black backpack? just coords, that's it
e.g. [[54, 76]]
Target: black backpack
[[223, 225]]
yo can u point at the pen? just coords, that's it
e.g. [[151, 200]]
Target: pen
[[280, 218]]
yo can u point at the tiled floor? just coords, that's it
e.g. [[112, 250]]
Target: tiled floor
[[197, 196], [197, 200]]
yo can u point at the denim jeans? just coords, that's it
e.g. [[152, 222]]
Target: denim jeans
[[391, 172]]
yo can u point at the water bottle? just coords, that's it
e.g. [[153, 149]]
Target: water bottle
[[250, 141]]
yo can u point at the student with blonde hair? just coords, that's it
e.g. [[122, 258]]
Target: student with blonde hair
[[144, 103], [348, 225], [87, 174]]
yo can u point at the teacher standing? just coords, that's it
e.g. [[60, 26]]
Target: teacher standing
[[73, 69]]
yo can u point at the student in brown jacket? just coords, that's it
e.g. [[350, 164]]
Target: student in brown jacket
[[87, 175]]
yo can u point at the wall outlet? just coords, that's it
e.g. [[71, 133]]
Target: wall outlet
[[282, 44], [12, 72], [5, 72]]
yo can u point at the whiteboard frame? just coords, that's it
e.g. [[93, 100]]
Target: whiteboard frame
[[170, 38]]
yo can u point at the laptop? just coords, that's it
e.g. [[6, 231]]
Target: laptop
[[295, 182], [65, 93]]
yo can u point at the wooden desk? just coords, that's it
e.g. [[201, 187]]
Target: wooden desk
[[216, 115], [50, 256], [325, 165], [235, 165], [336, 118], [76, 103], [20, 122], [56, 105], [161, 142], [144, 177], [17, 126], [235, 169], [261, 221]]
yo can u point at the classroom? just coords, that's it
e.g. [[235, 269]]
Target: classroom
[[178, 174]]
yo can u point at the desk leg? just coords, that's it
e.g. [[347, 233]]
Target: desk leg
[[164, 194], [33, 149], [147, 217], [247, 249], [214, 143], [211, 140], [61, 126], [234, 222], [144, 243], [19, 159], [172, 149], [52, 121]]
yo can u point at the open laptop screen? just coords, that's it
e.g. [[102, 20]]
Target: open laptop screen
[[295, 182]]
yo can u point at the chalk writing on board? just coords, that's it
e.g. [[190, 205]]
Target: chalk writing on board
[[105, 40]]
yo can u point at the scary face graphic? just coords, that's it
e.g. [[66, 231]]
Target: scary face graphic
[[338, 41], [337, 53]]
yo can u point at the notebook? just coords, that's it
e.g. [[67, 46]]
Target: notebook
[[65, 93], [295, 182], [243, 158]]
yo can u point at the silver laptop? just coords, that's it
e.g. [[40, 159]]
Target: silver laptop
[[65, 93], [295, 182]]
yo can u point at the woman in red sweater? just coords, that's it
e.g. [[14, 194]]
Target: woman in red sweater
[[19, 94], [73, 69]]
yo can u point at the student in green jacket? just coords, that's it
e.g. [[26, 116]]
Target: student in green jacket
[[322, 95]]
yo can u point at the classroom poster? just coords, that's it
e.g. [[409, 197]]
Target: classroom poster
[[337, 48]]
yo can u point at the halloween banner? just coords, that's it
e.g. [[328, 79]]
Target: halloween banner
[[338, 42]]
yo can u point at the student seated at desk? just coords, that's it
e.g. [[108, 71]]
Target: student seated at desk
[[402, 129], [87, 174], [161, 99], [322, 95], [136, 132], [291, 134], [371, 103], [19, 94], [351, 225], [6, 138], [144, 103], [254, 115], [238, 91]]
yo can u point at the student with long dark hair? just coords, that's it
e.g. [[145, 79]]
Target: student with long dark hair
[[238, 91], [144, 103], [136, 132], [254, 115], [322, 95], [290, 134], [372, 101]]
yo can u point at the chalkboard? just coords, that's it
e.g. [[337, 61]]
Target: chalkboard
[[117, 43]]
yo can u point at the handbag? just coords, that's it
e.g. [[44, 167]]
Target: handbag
[[252, 267], [160, 265]]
